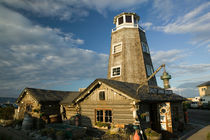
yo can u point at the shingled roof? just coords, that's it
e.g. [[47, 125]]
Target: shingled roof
[[43, 95], [69, 98], [150, 93], [204, 84]]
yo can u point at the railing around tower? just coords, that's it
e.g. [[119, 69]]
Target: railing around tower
[[128, 26]]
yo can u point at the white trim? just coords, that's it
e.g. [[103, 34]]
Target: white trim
[[116, 44], [119, 66]]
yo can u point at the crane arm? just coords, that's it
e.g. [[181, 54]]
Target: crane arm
[[153, 74]]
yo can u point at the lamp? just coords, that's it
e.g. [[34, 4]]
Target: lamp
[[166, 77]]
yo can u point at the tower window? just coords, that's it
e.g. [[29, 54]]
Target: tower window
[[145, 47], [149, 70], [116, 71], [128, 19], [102, 95], [120, 20], [117, 48]]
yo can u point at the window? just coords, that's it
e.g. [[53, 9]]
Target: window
[[149, 70], [203, 89], [115, 71], [128, 19], [117, 48], [101, 95], [104, 116], [145, 47], [99, 115], [120, 20]]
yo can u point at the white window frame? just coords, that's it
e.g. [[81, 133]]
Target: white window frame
[[114, 45], [119, 66]]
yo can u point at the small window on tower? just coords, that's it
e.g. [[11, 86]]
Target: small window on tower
[[120, 20], [102, 95], [117, 48], [149, 70], [128, 19], [116, 71]]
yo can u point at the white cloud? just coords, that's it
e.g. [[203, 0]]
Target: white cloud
[[193, 68], [37, 56], [208, 47], [166, 57], [195, 22], [146, 25], [70, 9]]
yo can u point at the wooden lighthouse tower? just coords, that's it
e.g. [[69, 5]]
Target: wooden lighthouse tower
[[129, 59]]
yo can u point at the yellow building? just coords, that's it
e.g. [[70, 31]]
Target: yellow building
[[204, 89]]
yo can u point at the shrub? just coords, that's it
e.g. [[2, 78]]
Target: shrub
[[150, 132], [102, 124]]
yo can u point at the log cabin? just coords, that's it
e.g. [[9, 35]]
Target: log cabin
[[117, 103], [39, 102]]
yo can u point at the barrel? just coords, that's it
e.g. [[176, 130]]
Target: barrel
[[27, 122]]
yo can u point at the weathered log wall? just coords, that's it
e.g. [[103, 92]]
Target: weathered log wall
[[120, 106]]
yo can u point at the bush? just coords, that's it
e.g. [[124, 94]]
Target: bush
[[7, 113], [150, 132], [101, 124]]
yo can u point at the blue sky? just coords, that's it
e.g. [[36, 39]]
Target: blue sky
[[64, 44]]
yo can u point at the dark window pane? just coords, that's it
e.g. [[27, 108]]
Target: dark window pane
[[120, 20], [116, 71], [101, 95], [106, 119], [110, 119], [101, 112], [128, 19]]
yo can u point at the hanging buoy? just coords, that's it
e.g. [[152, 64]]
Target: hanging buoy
[[136, 136]]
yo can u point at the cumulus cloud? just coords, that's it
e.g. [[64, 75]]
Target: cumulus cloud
[[36, 56], [69, 9]]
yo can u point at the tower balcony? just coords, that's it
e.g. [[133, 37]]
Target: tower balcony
[[128, 26]]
